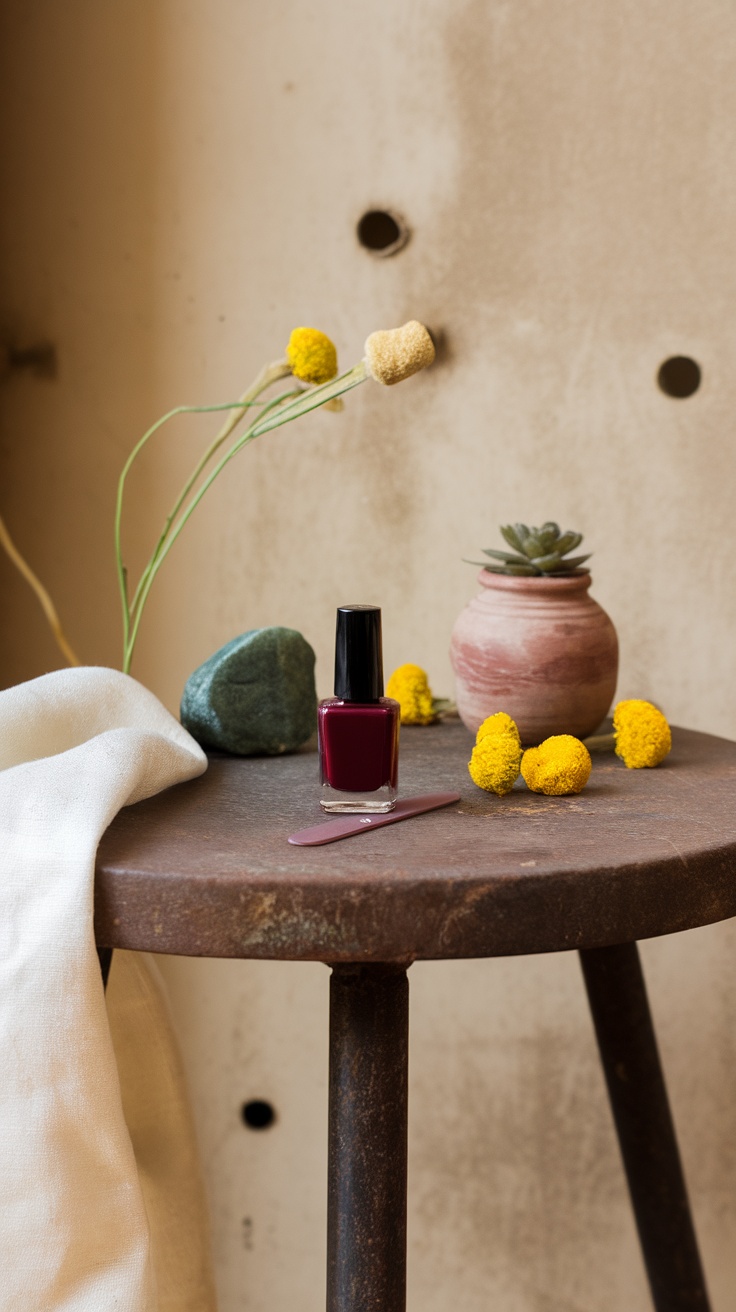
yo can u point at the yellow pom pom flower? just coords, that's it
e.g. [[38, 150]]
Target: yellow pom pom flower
[[495, 762], [393, 354], [409, 686], [311, 355], [498, 723], [560, 765], [642, 734]]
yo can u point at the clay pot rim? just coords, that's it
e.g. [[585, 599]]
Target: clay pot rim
[[578, 581]]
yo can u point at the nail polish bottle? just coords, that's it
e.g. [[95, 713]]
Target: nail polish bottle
[[358, 728]]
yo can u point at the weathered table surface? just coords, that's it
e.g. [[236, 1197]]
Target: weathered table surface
[[204, 869]]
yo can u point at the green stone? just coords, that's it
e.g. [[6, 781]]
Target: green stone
[[254, 696]]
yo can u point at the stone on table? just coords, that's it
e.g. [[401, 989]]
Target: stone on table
[[256, 695]]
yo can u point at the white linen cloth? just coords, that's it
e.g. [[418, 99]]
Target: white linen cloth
[[159, 1118], [75, 746]]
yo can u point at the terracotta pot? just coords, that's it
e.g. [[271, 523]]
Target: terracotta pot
[[540, 649]]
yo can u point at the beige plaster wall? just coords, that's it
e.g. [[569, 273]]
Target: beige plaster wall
[[182, 183]]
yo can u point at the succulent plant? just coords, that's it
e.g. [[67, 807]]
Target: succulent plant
[[536, 551]]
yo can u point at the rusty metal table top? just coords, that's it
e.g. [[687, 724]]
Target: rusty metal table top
[[204, 869]]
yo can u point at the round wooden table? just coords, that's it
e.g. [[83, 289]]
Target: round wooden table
[[205, 869]]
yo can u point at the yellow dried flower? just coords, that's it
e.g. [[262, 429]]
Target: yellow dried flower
[[643, 736], [409, 686], [560, 765], [312, 356], [498, 723], [397, 353], [494, 764]]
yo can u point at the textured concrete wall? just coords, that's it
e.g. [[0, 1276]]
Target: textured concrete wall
[[182, 185]]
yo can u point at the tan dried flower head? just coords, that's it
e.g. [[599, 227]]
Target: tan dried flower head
[[396, 353]]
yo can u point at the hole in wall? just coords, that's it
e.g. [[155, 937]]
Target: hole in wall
[[381, 232], [679, 376], [257, 1114], [40, 360]]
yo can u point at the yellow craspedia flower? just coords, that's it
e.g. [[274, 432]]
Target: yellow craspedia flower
[[495, 762], [642, 734], [312, 356], [558, 766], [498, 723], [409, 686]]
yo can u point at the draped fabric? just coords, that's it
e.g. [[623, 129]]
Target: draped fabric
[[75, 747]]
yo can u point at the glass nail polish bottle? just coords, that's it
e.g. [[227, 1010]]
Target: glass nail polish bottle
[[358, 728]]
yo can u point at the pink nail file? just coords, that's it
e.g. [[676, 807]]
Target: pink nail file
[[348, 825]]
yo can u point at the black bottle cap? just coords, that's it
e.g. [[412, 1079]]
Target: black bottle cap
[[358, 654]]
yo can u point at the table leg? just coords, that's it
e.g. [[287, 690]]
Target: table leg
[[646, 1133], [366, 1208]]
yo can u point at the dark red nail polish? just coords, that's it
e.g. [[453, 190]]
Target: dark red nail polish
[[358, 728]]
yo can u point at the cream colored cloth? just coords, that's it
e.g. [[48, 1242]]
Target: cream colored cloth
[[75, 746], [157, 1113]]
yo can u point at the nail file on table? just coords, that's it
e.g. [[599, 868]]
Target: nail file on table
[[331, 830]]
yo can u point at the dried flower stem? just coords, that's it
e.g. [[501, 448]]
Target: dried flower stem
[[132, 615], [129, 608], [47, 604], [271, 373], [276, 412], [268, 375]]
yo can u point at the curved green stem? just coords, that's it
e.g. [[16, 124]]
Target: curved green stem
[[270, 374], [276, 413], [121, 570], [163, 550], [312, 399]]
